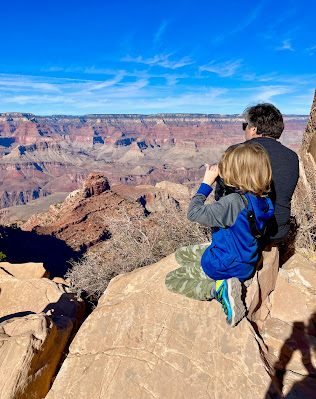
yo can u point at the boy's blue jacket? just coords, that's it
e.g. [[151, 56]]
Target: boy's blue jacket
[[233, 251]]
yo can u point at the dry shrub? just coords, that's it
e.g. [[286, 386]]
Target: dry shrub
[[136, 241], [303, 210], [176, 231]]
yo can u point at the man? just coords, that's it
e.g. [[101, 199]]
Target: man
[[264, 125]]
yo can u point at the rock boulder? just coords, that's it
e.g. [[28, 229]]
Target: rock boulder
[[24, 270], [30, 350], [37, 319], [26, 296]]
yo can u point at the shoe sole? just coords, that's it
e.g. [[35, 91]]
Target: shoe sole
[[237, 305]]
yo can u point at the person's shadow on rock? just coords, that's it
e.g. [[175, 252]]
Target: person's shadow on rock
[[301, 339], [66, 306]]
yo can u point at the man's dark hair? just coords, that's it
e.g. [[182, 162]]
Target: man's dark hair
[[266, 118]]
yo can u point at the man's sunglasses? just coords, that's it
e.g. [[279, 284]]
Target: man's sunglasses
[[244, 125]]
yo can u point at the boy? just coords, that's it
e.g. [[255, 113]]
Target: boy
[[237, 219]]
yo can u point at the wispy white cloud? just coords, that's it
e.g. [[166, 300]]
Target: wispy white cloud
[[160, 60], [293, 80], [160, 31], [266, 93], [279, 22], [82, 96], [135, 73], [108, 83], [286, 45], [172, 78], [311, 50], [39, 98], [251, 77], [301, 100], [222, 69], [101, 71], [53, 69], [145, 94], [25, 82], [248, 20]]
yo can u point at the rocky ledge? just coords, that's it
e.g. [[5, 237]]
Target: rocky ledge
[[38, 318], [143, 341]]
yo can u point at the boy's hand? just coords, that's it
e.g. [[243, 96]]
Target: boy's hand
[[210, 174]]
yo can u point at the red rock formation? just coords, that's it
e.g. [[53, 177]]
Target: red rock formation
[[79, 220], [96, 184]]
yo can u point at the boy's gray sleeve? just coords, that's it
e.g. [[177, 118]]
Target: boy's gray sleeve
[[222, 213]]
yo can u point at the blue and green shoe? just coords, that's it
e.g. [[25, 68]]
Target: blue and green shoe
[[228, 293]]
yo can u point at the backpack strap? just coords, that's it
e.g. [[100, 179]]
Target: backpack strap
[[251, 218]]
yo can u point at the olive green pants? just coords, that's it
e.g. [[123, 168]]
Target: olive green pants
[[190, 279]]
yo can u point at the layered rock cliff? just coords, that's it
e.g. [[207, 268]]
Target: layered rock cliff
[[43, 155]]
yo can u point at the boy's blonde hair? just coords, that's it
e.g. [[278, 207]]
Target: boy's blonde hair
[[247, 167]]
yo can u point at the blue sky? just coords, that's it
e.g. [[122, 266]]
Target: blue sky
[[83, 57]]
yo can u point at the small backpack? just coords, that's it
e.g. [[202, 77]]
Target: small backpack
[[251, 218]]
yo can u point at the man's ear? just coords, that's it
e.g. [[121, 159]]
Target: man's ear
[[253, 131]]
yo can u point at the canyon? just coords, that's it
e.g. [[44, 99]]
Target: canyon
[[143, 341], [42, 156]]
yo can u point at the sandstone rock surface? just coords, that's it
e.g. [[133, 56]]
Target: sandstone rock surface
[[153, 199], [301, 271], [37, 319], [24, 270], [288, 331], [26, 296], [30, 351], [143, 341], [181, 192]]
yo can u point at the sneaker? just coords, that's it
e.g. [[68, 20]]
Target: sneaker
[[228, 293]]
